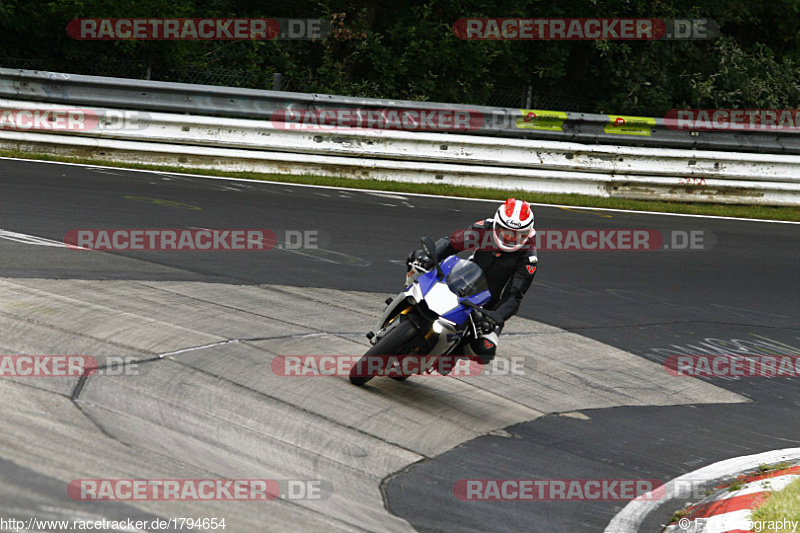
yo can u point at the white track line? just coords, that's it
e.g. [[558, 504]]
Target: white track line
[[29, 239], [419, 195]]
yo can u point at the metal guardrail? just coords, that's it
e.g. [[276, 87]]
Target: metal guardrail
[[525, 164], [250, 134], [130, 94]]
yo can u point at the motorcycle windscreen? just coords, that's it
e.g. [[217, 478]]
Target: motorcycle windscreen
[[467, 279]]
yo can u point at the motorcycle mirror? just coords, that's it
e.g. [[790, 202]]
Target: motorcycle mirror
[[429, 246]]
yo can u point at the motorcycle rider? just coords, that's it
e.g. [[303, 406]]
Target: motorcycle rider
[[505, 250]]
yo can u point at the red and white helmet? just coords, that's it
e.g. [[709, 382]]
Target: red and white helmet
[[513, 225]]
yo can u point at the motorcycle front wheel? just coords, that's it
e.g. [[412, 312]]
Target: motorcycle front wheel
[[391, 344]]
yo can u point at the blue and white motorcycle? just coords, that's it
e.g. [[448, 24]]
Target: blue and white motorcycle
[[429, 319]]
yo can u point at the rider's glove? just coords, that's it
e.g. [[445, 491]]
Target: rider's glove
[[484, 325], [419, 257]]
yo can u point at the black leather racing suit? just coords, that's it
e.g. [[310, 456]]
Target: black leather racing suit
[[508, 274]]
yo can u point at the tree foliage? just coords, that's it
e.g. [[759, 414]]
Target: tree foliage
[[407, 50]]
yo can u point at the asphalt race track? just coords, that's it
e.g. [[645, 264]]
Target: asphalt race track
[[595, 401]]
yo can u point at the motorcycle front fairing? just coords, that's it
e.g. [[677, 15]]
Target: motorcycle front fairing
[[462, 280]]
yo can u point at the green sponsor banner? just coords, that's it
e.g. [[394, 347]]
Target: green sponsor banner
[[536, 119], [624, 125]]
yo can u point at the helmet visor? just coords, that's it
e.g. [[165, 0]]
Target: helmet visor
[[512, 238]]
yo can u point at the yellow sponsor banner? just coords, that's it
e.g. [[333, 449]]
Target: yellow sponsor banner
[[621, 124], [536, 119]]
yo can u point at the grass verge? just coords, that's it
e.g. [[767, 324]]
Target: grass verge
[[778, 509], [577, 200]]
